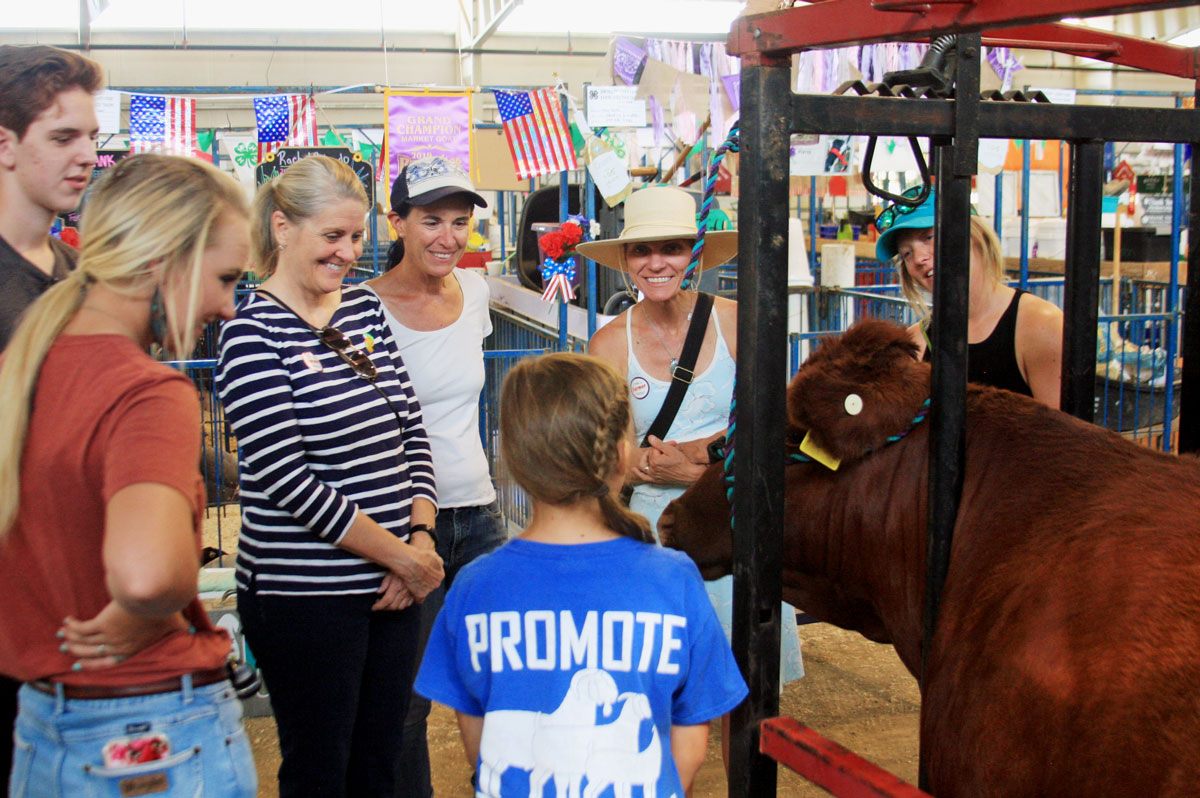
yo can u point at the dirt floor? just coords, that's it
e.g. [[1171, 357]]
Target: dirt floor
[[854, 691]]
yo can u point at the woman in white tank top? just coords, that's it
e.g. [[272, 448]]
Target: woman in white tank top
[[645, 343], [438, 316]]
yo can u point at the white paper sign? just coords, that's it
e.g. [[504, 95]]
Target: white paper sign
[[615, 106], [108, 110], [1059, 96], [992, 153], [609, 174], [821, 155]]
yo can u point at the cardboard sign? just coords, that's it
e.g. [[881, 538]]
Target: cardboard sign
[[615, 106]]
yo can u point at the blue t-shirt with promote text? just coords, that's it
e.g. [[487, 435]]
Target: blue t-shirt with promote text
[[580, 658]]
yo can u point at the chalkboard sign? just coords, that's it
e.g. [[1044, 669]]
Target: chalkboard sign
[[284, 157], [105, 160]]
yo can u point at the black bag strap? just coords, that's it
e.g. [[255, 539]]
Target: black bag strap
[[684, 371]]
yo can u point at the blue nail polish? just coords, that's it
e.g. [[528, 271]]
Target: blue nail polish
[[61, 634], [78, 666], [63, 648]]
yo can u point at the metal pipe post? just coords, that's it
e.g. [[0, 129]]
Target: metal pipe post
[[589, 265], [1189, 400], [762, 359], [564, 185], [1081, 293], [998, 213], [1173, 294], [501, 196], [812, 226], [947, 418], [1025, 162]]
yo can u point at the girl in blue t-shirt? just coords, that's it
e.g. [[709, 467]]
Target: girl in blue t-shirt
[[579, 652]]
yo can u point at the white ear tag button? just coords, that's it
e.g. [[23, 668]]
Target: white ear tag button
[[853, 404]]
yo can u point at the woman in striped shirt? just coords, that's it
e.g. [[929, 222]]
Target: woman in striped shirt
[[337, 490]]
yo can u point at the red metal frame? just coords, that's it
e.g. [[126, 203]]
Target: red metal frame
[[1167, 59], [827, 764], [834, 23]]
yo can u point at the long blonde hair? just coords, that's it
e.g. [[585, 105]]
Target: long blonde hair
[[983, 240], [563, 417], [301, 192], [148, 220]]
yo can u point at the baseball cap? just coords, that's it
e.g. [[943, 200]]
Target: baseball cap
[[427, 180]]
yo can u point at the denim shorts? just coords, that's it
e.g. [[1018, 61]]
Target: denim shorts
[[59, 745]]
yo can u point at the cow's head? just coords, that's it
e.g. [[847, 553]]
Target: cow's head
[[857, 390]]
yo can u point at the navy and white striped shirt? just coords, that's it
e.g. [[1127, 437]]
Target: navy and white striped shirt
[[317, 444]]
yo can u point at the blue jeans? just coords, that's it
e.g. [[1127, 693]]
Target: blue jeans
[[463, 534], [59, 744]]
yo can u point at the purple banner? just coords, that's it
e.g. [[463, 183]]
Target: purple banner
[[420, 125], [733, 87]]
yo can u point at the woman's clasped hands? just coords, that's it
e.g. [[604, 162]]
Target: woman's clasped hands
[[412, 580]]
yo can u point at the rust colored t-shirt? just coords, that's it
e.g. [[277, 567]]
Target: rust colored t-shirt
[[105, 416]]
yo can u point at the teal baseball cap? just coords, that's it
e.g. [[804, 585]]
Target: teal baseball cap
[[901, 217]]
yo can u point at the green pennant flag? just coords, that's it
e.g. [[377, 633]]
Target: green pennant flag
[[204, 140], [331, 139]]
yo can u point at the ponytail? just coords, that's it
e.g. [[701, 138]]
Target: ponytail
[[620, 519], [395, 254], [40, 325]]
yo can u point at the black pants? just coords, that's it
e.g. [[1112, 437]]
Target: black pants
[[339, 677], [8, 719]]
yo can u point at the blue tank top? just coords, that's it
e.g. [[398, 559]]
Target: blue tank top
[[705, 410]]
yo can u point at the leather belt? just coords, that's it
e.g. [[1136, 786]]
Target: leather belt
[[85, 692]]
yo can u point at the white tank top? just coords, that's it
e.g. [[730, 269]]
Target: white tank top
[[447, 372], [705, 410]]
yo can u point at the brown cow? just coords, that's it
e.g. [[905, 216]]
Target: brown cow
[[1067, 656]]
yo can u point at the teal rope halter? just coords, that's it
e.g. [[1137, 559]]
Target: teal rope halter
[[731, 144], [797, 457]]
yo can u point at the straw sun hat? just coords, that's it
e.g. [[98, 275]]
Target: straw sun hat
[[660, 213]]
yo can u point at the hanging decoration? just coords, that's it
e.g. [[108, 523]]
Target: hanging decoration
[[285, 120], [426, 123], [162, 124], [536, 131], [559, 258]]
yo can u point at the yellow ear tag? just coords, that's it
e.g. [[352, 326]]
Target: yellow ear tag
[[809, 447]]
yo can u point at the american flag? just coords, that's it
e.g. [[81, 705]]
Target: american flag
[[285, 120], [537, 132], [164, 124]]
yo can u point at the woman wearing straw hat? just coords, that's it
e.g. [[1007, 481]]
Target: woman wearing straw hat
[[1014, 338], [645, 345]]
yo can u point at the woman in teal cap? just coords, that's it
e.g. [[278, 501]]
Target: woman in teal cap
[[1014, 338]]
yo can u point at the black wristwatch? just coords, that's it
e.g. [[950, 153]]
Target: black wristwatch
[[426, 528], [716, 450]]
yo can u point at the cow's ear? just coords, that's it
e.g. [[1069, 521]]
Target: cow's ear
[[857, 390]]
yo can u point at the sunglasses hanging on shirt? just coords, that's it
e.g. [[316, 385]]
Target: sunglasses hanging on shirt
[[350, 354]]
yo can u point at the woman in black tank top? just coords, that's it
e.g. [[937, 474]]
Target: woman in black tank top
[[1014, 338]]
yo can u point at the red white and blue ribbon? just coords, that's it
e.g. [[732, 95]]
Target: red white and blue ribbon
[[557, 276]]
